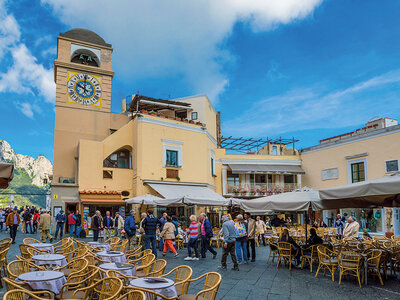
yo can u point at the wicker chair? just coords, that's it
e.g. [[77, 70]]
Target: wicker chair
[[327, 260], [287, 253], [125, 278], [25, 294], [35, 251], [3, 264], [143, 266], [137, 255], [12, 285], [6, 241], [18, 267], [28, 241], [373, 261], [133, 251], [156, 269], [150, 294], [350, 263], [182, 276], [121, 246], [105, 289], [79, 281], [310, 255], [210, 289], [73, 267], [93, 260], [113, 240], [273, 250], [179, 243], [133, 295], [136, 259]]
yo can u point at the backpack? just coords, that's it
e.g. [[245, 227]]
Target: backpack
[[240, 230]]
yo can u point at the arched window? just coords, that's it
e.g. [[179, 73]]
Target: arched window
[[86, 57], [119, 159]]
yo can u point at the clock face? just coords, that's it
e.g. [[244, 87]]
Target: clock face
[[84, 89]]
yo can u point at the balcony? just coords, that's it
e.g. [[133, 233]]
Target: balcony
[[259, 189]]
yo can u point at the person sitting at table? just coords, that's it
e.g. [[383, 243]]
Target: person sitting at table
[[285, 237], [315, 224], [168, 235], [350, 231], [314, 238]]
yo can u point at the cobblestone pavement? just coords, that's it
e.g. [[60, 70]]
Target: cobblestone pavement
[[258, 280]]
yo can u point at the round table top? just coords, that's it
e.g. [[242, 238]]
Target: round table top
[[105, 253], [40, 276], [48, 257], [113, 266], [144, 283], [41, 245], [97, 243]]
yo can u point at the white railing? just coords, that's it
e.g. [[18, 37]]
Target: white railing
[[259, 189]]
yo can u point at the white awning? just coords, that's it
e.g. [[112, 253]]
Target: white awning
[[189, 194], [267, 169], [147, 199]]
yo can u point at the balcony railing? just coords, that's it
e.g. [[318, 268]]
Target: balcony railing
[[260, 189]]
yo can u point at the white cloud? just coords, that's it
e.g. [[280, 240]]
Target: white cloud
[[313, 107], [25, 75], [178, 37]]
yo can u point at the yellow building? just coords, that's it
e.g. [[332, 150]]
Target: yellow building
[[156, 146], [367, 153]]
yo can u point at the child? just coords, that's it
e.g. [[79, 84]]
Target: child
[[168, 235], [193, 232]]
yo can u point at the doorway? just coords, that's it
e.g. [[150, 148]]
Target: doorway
[[69, 207]]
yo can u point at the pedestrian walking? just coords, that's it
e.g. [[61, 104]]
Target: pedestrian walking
[[193, 233], [206, 235], [251, 236], [12, 222], [44, 226], [141, 229], [71, 224], [130, 230], [78, 224], [2, 219], [261, 228], [150, 224], [61, 218], [241, 240], [168, 235], [108, 224], [339, 226], [229, 233], [96, 225], [163, 220], [36, 218]]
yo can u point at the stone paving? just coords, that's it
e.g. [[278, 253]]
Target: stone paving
[[258, 280]]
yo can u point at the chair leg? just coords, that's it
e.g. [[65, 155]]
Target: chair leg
[[279, 260], [319, 267], [380, 277], [340, 278], [333, 273], [269, 256]]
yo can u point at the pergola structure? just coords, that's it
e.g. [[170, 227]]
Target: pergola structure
[[140, 103], [251, 145]]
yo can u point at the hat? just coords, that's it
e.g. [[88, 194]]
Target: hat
[[133, 212], [15, 208], [224, 218]]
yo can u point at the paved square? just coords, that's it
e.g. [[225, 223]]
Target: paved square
[[261, 281]]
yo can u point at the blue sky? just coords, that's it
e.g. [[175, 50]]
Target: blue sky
[[309, 69]]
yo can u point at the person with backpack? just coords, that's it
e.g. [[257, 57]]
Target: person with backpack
[[78, 224], [60, 221], [71, 224], [130, 230], [241, 240], [27, 220]]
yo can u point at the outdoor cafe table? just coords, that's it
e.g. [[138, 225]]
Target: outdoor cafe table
[[126, 270], [165, 288], [99, 245], [51, 281], [112, 256], [44, 246], [49, 259]]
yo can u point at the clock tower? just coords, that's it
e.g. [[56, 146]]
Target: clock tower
[[83, 75]]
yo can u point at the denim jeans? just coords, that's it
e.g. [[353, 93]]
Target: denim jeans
[[151, 243], [78, 230], [161, 244], [28, 224], [192, 244], [71, 230], [241, 247], [59, 228]]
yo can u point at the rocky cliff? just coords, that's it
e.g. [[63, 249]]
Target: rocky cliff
[[39, 169]]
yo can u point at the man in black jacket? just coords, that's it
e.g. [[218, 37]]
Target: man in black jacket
[[150, 224]]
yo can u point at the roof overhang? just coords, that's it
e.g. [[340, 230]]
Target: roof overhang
[[104, 201]]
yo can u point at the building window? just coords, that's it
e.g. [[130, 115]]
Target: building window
[[274, 150], [119, 159], [392, 166], [194, 115], [181, 114], [172, 158], [357, 172], [212, 166], [112, 131]]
